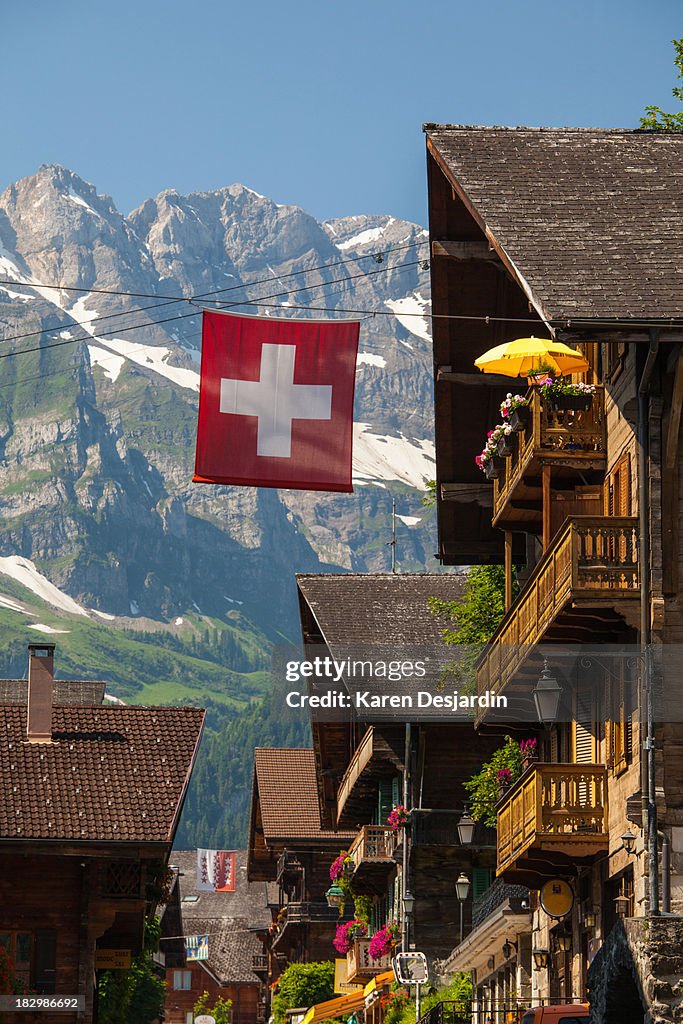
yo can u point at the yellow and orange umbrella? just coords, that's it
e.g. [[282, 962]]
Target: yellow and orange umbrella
[[526, 356]]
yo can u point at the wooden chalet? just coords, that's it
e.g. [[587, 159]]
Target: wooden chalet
[[90, 800], [234, 968], [361, 763], [574, 234], [291, 850]]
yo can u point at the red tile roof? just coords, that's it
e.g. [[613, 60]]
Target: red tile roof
[[288, 796], [111, 774]]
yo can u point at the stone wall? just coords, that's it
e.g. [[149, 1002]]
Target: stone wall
[[637, 976]]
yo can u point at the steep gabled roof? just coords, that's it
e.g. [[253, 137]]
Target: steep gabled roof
[[589, 221], [378, 609], [110, 774], [288, 796]]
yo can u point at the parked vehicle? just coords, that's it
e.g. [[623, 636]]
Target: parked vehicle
[[565, 1013]]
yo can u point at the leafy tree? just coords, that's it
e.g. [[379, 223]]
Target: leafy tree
[[220, 1010], [656, 118], [135, 996], [303, 985], [484, 787], [430, 497], [474, 618]]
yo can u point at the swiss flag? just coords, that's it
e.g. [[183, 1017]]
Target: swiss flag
[[276, 402]]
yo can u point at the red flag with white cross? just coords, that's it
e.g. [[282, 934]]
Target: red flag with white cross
[[276, 402]]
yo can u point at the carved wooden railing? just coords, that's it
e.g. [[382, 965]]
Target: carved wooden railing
[[373, 843], [566, 803], [592, 556], [563, 437], [360, 965]]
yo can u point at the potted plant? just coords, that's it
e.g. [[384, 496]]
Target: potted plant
[[490, 460], [347, 934], [529, 751], [504, 780], [484, 788], [562, 394], [383, 941], [540, 373], [515, 411], [502, 434], [398, 818]]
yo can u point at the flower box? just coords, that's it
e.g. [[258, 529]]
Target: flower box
[[504, 447], [575, 403], [359, 964], [493, 467], [519, 418]]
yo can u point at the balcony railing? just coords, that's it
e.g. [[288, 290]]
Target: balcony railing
[[289, 867], [296, 914], [560, 808], [372, 855], [498, 894], [569, 439], [259, 964], [359, 964], [594, 558]]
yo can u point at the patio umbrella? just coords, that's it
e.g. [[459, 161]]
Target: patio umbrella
[[523, 357]]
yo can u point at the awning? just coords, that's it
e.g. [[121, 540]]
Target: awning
[[335, 1007], [378, 982]]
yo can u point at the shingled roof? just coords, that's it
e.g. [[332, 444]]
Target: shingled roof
[[590, 221], [64, 691], [248, 903], [112, 774], [379, 609], [288, 796]]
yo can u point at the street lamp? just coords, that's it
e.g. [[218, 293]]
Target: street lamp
[[462, 891], [541, 958], [628, 841], [335, 895], [508, 948], [408, 903], [466, 827], [547, 694]]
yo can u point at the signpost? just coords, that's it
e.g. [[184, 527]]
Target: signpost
[[412, 969], [113, 959], [205, 1018]]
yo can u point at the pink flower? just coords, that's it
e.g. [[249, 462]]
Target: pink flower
[[382, 942], [346, 934], [338, 866]]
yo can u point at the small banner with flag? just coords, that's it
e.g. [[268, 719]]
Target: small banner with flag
[[197, 947], [276, 402], [216, 870]]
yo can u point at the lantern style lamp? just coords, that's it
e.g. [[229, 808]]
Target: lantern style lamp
[[628, 841], [334, 895], [466, 827], [547, 694], [462, 887], [563, 942], [541, 958], [508, 949], [408, 903], [622, 904]]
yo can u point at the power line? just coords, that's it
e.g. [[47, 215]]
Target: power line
[[171, 300]]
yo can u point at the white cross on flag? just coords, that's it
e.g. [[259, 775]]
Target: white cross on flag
[[276, 402]]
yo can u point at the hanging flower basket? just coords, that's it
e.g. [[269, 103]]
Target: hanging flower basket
[[383, 941], [519, 418], [494, 467], [398, 818], [347, 934]]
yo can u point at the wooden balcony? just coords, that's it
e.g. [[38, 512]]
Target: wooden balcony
[[378, 755], [572, 445], [360, 967], [553, 817], [587, 581], [372, 855]]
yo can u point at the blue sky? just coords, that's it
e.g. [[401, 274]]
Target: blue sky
[[313, 102]]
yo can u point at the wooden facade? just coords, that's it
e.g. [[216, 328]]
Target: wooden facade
[[583, 575]]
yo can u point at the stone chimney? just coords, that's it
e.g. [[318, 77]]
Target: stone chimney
[[40, 678]]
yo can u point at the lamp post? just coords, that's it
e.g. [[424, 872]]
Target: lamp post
[[462, 891], [466, 827], [408, 907], [547, 694]]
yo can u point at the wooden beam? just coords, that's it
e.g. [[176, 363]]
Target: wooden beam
[[482, 493], [463, 250], [546, 472], [676, 404], [476, 379], [508, 569]]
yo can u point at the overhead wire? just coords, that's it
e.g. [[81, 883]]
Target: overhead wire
[[169, 300]]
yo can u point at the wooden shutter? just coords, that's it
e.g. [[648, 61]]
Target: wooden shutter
[[584, 718], [481, 881], [396, 795], [621, 486], [45, 960], [384, 800], [621, 720]]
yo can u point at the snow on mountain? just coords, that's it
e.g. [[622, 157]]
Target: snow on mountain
[[24, 571], [378, 457]]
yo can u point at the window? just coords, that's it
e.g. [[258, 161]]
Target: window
[[190, 899], [33, 958], [182, 981]]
